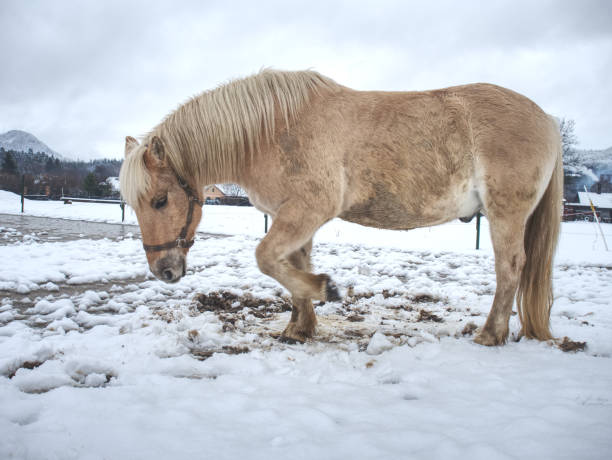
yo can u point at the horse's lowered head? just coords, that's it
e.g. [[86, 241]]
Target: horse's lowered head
[[167, 207]]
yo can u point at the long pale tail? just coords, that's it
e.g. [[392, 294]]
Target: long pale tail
[[535, 296]]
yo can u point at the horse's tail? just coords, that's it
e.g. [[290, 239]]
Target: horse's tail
[[535, 297]]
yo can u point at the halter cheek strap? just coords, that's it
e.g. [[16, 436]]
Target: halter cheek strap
[[181, 241]]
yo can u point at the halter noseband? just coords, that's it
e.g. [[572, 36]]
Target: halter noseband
[[181, 241]]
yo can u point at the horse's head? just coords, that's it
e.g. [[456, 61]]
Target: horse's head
[[168, 208]]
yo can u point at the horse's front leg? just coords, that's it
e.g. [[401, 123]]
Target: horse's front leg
[[284, 254], [303, 319]]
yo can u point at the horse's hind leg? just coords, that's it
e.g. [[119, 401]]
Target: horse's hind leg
[[507, 234], [303, 319]]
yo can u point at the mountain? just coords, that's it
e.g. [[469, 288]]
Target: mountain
[[596, 159], [22, 141]]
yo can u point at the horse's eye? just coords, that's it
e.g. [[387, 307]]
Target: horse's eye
[[160, 202]]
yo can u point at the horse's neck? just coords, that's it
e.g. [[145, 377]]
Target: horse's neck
[[233, 175]]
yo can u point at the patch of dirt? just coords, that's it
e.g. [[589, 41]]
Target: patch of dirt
[[226, 349], [386, 293], [226, 302], [469, 328], [355, 318], [25, 365], [353, 333], [230, 307], [169, 316], [425, 298], [352, 297], [569, 345], [425, 315]]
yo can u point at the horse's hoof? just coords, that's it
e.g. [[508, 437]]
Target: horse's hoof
[[290, 340], [489, 340], [293, 335], [331, 291]]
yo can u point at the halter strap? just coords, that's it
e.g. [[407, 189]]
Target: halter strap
[[181, 241]]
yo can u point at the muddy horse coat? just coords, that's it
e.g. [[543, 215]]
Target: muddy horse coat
[[307, 150]]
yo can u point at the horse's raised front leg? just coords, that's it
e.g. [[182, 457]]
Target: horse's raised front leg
[[303, 319], [280, 256], [507, 235]]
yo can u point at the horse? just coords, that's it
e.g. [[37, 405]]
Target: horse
[[307, 150]]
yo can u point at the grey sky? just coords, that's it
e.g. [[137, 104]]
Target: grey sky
[[82, 75]]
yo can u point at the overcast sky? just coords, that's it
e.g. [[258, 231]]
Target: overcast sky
[[82, 75]]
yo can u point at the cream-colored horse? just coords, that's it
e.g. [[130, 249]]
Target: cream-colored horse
[[307, 149]]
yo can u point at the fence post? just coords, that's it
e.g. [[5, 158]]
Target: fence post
[[478, 230], [265, 223], [122, 211], [22, 190]]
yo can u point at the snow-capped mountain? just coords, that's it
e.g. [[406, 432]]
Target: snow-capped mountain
[[596, 158], [22, 141]]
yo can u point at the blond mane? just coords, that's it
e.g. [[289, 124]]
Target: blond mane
[[210, 135]]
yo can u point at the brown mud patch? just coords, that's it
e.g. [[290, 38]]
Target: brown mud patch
[[469, 328], [226, 349], [25, 365], [568, 345], [425, 315], [227, 302], [425, 298], [230, 307]]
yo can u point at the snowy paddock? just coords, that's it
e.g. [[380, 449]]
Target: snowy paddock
[[98, 360]]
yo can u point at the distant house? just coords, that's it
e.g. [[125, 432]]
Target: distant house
[[228, 194], [581, 210], [604, 185], [213, 191]]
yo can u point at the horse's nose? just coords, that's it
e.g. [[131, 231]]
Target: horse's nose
[[170, 268]]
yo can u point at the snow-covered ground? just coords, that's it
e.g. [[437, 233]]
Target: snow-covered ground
[[100, 360]]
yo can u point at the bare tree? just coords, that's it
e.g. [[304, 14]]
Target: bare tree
[[233, 190]]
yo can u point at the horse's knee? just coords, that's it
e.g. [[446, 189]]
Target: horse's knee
[[265, 259]]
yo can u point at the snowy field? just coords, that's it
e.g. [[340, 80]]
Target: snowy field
[[98, 360]]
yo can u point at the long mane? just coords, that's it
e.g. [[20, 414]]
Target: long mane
[[210, 135]]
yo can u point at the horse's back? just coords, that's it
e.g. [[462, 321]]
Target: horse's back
[[423, 158], [409, 161]]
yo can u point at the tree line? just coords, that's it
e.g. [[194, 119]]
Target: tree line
[[47, 175]]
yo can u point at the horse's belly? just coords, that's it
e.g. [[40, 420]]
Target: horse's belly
[[405, 211]]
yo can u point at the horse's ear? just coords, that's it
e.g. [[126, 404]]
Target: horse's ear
[[156, 148], [130, 143]]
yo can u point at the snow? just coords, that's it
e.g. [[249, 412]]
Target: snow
[[113, 181], [100, 360], [600, 200]]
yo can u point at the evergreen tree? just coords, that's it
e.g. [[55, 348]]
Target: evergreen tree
[[9, 165], [573, 164], [90, 184], [568, 137]]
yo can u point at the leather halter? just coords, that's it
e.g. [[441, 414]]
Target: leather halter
[[181, 241]]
